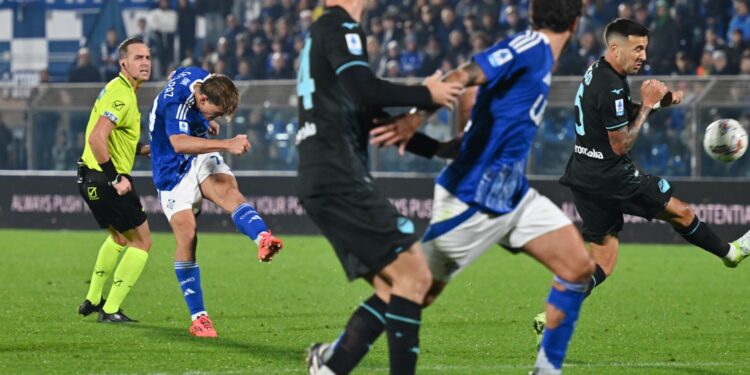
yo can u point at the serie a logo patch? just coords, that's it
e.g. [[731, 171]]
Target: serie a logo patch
[[620, 107], [354, 43]]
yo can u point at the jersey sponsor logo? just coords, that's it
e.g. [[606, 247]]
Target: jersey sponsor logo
[[118, 105], [184, 127], [185, 81], [500, 57], [589, 153], [354, 43], [111, 116], [306, 131], [620, 107], [617, 91]]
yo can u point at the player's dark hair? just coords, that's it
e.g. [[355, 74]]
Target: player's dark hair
[[555, 15], [222, 92], [122, 50], [623, 27]]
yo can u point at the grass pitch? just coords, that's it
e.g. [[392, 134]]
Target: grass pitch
[[666, 310]]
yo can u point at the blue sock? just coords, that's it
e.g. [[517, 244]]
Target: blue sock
[[248, 221], [555, 341], [189, 277]]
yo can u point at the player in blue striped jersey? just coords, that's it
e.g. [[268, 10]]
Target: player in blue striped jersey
[[483, 197], [187, 167]]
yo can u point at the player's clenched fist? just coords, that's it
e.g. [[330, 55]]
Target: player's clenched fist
[[652, 91], [238, 145]]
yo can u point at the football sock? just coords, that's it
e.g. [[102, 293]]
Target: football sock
[[700, 234], [596, 279], [127, 273], [363, 328], [248, 221], [105, 263], [402, 320], [189, 277], [555, 341]]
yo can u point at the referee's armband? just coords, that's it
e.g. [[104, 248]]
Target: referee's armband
[[422, 145]]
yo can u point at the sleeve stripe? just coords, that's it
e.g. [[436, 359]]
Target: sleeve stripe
[[351, 64], [617, 126]]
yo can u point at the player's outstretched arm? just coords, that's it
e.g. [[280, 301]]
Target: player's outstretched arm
[[185, 144], [623, 139]]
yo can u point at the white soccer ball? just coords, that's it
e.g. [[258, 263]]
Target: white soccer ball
[[725, 140]]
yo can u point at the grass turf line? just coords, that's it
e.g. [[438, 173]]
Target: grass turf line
[[666, 310]]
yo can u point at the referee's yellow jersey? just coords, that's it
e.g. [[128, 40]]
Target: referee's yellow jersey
[[118, 103]]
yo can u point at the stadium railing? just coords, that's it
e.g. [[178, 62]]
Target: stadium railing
[[47, 124]]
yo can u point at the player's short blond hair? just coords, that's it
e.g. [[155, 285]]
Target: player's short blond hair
[[221, 91]]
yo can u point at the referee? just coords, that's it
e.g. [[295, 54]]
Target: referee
[[104, 182]]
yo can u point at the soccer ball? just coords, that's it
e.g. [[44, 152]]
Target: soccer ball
[[725, 140]]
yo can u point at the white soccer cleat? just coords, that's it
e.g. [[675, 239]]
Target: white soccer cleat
[[317, 354], [742, 247]]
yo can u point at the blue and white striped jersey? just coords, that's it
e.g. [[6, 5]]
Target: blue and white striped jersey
[[174, 112], [489, 171]]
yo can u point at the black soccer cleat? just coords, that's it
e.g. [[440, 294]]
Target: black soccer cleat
[[118, 317], [87, 308]]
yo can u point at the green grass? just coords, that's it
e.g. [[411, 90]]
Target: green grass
[[666, 310]]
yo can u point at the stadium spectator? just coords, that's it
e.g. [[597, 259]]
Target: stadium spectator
[[163, 22], [109, 55], [735, 48], [664, 40], [720, 64], [186, 25], [259, 59], [5, 140], [683, 66], [745, 63], [706, 64], [84, 71], [411, 59], [60, 151], [740, 20], [233, 29], [279, 68], [390, 31]]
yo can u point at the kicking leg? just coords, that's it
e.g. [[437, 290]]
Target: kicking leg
[[222, 189], [684, 221]]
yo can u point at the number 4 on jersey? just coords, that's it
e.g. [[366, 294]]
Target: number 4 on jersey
[[305, 83]]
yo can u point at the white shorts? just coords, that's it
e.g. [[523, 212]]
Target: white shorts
[[458, 235], [186, 195]]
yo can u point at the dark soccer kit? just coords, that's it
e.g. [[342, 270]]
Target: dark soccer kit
[[606, 185], [334, 184]]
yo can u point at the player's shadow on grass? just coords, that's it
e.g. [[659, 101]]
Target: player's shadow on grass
[[261, 351], [663, 369]]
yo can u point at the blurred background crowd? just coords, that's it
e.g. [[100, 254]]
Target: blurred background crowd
[[262, 39]]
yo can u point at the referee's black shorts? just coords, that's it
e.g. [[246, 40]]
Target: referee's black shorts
[[122, 212], [602, 215], [364, 228]]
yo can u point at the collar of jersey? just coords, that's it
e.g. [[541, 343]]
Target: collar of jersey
[[122, 77], [609, 66]]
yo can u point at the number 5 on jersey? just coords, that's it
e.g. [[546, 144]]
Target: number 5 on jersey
[[305, 83]]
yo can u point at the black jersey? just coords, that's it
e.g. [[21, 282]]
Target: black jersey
[[602, 104], [333, 134]]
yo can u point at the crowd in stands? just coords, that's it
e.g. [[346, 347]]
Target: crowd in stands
[[262, 39]]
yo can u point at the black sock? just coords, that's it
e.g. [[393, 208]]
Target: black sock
[[596, 279], [363, 328], [402, 324], [699, 234]]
